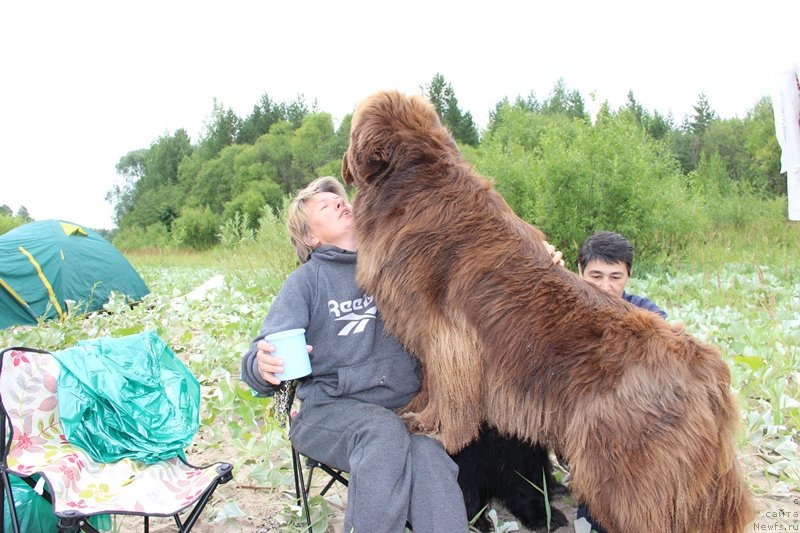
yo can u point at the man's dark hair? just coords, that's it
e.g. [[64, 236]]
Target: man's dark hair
[[608, 247]]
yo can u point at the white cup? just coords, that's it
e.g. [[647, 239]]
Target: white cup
[[290, 345]]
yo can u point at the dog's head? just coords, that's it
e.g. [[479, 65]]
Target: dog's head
[[391, 131]]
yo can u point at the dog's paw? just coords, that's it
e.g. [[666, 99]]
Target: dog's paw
[[557, 519], [425, 421], [538, 523], [483, 524], [558, 490], [415, 423]]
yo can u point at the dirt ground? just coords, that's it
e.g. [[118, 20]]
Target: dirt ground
[[265, 511]]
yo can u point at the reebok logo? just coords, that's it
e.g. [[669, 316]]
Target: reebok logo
[[346, 312], [355, 322]]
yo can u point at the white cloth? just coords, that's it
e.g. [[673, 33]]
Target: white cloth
[[793, 193], [786, 106]]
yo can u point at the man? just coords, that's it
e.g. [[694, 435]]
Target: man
[[606, 260]]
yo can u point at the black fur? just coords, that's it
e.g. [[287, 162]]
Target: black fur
[[503, 468]]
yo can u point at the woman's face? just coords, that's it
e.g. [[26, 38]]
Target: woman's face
[[330, 221]]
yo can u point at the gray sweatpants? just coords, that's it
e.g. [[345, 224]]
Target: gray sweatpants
[[394, 475]]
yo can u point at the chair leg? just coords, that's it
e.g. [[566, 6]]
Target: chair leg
[[299, 485], [226, 475], [311, 465], [327, 486], [335, 475]]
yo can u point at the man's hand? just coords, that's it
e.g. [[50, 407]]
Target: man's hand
[[556, 256]]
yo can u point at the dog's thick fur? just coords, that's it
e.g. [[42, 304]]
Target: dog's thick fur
[[506, 337], [513, 472]]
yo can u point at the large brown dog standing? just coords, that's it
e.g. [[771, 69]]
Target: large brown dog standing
[[640, 409]]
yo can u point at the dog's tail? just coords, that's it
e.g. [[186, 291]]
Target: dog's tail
[[669, 426], [729, 507]]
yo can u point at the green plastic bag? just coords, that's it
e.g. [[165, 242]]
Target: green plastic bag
[[35, 514], [127, 397]]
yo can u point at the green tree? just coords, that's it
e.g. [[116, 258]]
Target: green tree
[[159, 205], [265, 113], [212, 186], [518, 124], [655, 124], [249, 204], [197, 228], [683, 144], [563, 101], [659, 126], [726, 139], [296, 111], [154, 236], [8, 222], [342, 137], [747, 149], [151, 182], [687, 141], [312, 146], [443, 98], [710, 179], [165, 156], [703, 115], [123, 197], [277, 149], [762, 146], [221, 130], [608, 175], [23, 215]]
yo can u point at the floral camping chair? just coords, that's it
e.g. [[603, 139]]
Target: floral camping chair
[[77, 486]]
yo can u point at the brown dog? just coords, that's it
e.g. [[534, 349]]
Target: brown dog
[[507, 337]]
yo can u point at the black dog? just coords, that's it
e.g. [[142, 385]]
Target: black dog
[[504, 468]]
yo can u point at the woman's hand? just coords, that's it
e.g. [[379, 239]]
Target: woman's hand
[[268, 364]]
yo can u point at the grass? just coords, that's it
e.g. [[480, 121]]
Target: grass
[[738, 289]]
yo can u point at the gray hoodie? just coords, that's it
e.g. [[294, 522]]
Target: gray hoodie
[[352, 357]]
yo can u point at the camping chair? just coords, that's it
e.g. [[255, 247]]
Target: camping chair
[[302, 482], [77, 486]]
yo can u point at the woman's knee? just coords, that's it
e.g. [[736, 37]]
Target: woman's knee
[[430, 453], [387, 428]]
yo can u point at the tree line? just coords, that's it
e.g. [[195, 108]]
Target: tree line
[[558, 167]]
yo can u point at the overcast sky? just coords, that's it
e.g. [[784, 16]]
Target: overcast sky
[[83, 83]]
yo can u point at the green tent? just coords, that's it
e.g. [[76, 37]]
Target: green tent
[[46, 263]]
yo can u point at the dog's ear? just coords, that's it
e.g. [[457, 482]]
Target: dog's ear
[[368, 159], [376, 165], [346, 175], [364, 166]]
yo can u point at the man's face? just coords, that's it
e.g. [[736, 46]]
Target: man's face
[[330, 220], [610, 277]]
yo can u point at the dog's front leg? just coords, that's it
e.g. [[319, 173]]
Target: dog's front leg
[[450, 404]]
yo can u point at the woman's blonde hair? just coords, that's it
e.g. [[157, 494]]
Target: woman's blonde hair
[[297, 217]]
